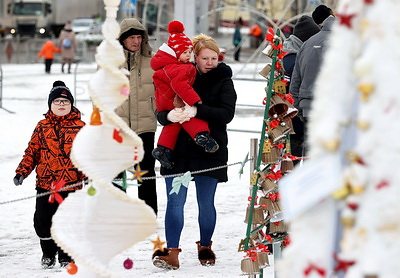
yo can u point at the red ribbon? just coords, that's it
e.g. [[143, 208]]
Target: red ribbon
[[281, 55], [274, 123], [55, 187], [280, 146], [117, 136], [286, 241], [270, 35], [262, 247], [313, 267], [252, 254], [274, 196], [342, 265], [275, 176], [267, 237], [278, 65], [289, 98], [382, 184]]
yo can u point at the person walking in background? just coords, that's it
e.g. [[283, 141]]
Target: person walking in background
[[237, 38], [138, 111], [215, 87], [306, 69], [47, 52], [320, 14], [303, 30], [257, 33], [48, 152], [173, 77], [67, 44]]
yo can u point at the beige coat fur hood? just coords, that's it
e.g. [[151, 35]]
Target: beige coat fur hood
[[138, 111]]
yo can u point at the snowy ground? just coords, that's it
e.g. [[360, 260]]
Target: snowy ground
[[25, 91]]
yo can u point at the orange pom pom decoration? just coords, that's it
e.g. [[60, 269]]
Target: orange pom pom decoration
[[72, 268]]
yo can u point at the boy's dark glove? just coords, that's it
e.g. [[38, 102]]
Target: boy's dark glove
[[18, 179]]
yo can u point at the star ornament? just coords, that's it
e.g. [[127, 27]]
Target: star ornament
[[345, 19], [138, 173], [158, 244], [342, 265]]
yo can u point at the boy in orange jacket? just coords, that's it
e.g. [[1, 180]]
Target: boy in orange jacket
[[47, 51], [48, 153]]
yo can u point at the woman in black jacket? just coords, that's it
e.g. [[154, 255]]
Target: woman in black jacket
[[215, 87]]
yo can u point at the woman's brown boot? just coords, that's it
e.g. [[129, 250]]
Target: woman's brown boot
[[168, 258], [206, 255]]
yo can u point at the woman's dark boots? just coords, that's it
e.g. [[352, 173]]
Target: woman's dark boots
[[205, 254], [167, 259]]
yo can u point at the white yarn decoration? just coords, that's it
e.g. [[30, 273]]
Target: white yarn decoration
[[93, 229], [359, 54]]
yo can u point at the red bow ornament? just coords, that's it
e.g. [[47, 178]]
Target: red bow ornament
[[313, 267], [55, 187]]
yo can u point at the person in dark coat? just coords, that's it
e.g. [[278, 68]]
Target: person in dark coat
[[303, 30], [215, 87], [173, 77], [237, 39], [306, 70]]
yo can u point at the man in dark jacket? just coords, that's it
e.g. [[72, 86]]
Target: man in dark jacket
[[303, 30], [306, 69]]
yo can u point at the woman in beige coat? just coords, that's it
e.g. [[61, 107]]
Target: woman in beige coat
[[67, 44]]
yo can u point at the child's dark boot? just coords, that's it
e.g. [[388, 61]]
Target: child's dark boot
[[203, 139], [164, 155]]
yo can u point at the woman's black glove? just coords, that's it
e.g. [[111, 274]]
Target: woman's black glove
[[18, 179]]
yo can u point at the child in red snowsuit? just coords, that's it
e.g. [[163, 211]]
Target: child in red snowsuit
[[173, 79]]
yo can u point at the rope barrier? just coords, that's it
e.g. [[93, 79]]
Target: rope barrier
[[143, 178]]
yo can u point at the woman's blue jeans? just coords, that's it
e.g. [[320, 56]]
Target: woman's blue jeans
[[174, 215]]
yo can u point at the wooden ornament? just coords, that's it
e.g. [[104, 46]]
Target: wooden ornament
[[286, 165], [265, 71], [277, 107], [278, 227], [253, 179], [279, 87], [267, 146], [249, 267], [279, 132], [263, 259], [271, 157], [258, 215]]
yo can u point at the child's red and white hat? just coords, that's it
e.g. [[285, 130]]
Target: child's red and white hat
[[177, 40]]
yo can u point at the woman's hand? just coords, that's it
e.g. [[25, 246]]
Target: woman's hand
[[191, 110], [178, 115]]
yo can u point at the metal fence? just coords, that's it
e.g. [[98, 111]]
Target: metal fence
[[18, 50]]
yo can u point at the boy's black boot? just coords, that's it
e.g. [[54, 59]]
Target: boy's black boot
[[164, 155], [63, 258], [203, 139], [48, 262]]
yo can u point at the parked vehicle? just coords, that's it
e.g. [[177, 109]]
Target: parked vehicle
[[86, 25], [47, 17]]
